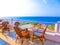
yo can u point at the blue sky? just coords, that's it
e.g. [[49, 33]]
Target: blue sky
[[29, 8], [47, 7]]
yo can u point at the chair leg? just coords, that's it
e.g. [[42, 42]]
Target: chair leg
[[32, 39], [42, 40], [22, 40], [42, 43]]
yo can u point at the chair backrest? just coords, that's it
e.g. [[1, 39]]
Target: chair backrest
[[18, 31], [44, 30], [25, 32]]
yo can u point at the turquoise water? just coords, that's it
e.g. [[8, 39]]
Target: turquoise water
[[11, 34], [2, 42]]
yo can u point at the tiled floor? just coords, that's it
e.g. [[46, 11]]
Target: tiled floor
[[36, 42]]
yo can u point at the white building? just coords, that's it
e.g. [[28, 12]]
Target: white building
[[57, 27]]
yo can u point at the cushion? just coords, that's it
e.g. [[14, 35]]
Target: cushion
[[37, 33], [40, 31]]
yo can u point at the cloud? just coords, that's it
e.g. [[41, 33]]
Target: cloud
[[29, 7], [15, 7]]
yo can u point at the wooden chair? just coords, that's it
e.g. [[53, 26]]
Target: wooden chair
[[21, 35], [41, 37], [5, 27]]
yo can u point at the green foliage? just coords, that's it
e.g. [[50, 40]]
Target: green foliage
[[52, 26]]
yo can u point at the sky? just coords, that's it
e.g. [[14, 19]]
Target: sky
[[29, 8]]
